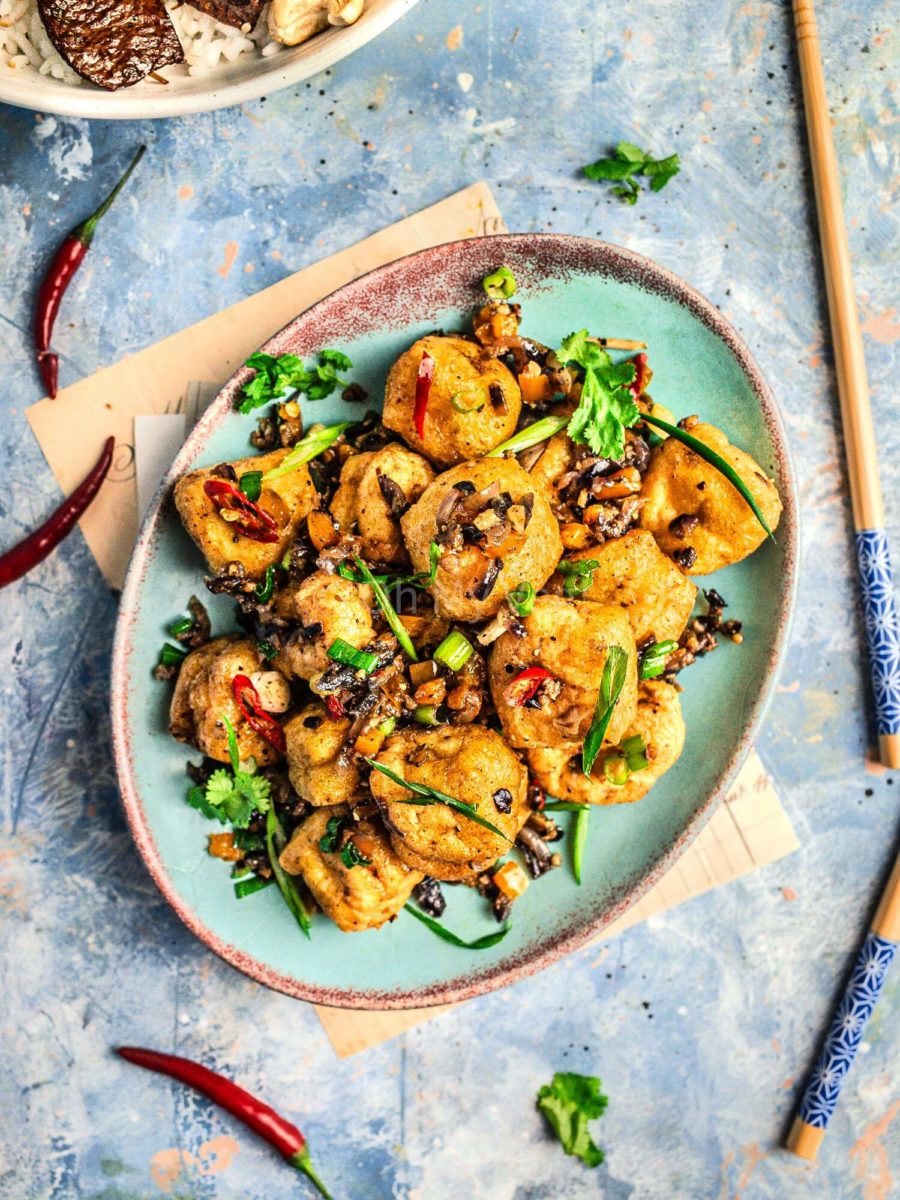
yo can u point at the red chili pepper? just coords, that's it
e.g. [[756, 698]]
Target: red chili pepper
[[423, 391], [34, 549], [255, 715], [334, 708], [525, 685], [639, 382], [261, 1118], [254, 524], [66, 262]]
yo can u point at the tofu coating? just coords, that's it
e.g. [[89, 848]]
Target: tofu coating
[[469, 763], [635, 575], [313, 741], [679, 483], [460, 572], [287, 500], [326, 607], [356, 898], [462, 370], [361, 506], [658, 721], [571, 639], [203, 696], [553, 463]]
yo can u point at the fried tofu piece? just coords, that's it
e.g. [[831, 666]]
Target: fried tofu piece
[[473, 403], [461, 590], [287, 500], [571, 639], [658, 723], [203, 698], [469, 763], [375, 490], [680, 486], [356, 898], [634, 574], [313, 741], [325, 607]]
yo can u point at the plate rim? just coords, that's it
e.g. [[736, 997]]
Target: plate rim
[[126, 104], [530, 962]]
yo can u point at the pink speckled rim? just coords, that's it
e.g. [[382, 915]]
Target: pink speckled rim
[[391, 296]]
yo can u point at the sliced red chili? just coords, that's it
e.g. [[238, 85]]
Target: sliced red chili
[[525, 685], [334, 708], [423, 391], [254, 523], [260, 721], [641, 372]]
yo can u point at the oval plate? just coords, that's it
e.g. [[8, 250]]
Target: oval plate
[[699, 365], [248, 78]]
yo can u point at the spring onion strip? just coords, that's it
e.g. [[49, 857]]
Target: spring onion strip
[[482, 943], [428, 796], [275, 840], [563, 806], [247, 887], [611, 683], [579, 838], [531, 435], [362, 660], [390, 613], [714, 460], [307, 449]]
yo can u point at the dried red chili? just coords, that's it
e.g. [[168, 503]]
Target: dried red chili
[[28, 553], [254, 523], [254, 714], [423, 391], [66, 262], [261, 1118], [641, 375], [525, 686], [334, 708]]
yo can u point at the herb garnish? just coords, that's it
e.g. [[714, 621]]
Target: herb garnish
[[250, 483], [611, 683], [579, 841], [427, 796], [531, 435], [330, 843], [578, 575], [232, 796], [275, 378], [500, 284], [653, 660], [482, 943], [568, 1103], [361, 660], [266, 586], [521, 598], [390, 613], [607, 406], [628, 161], [275, 843], [308, 448]]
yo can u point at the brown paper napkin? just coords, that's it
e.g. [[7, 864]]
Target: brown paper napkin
[[750, 829]]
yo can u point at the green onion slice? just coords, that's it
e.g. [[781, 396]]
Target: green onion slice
[[522, 598], [531, 435], [578, 575], [426, 796], [182, 625], [482, 943], [266, 586], [616, 769], [714, 460], [387, 727], [563, 806], [390, 614], [171, 656], [247, 887], [233, 752], [454, 651], [653, 660], [250, 483], [275, 841], [362, 660], [579, 839], [427, 714], [307, 449], [611, 683], [461, 408], [500, 284]]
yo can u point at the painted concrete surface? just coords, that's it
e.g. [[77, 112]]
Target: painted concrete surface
[[702, 1022]]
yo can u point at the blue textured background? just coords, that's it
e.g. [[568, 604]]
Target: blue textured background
[[701, 1022]]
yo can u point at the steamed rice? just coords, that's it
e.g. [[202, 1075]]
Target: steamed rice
[[24, 44]]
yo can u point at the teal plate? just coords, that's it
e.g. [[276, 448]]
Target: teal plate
[[700, 365]]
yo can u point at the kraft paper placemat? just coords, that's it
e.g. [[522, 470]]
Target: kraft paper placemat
[[750, 829]]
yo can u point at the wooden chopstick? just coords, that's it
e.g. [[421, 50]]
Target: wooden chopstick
[[849, 1022], [879, 605]]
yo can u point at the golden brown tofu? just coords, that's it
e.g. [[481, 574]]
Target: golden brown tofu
[[555, 460], [635, 574], [374, 492], [313, 741], [570, 639], [470, 585], [689, 504], [203, 697], [326, 607], [356, 898], [658, 723], [469, 763], [466, 378], [286, 500]]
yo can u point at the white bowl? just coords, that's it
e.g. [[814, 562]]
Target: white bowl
[[250, 77]]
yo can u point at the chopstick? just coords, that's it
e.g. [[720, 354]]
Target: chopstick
[[842, 1041], [879, 605]]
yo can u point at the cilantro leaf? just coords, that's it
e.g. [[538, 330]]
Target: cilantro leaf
[[568, 1103], [278, 377], [232, 796], [196, 798], [336, 358], [607, 406], [628, 161]]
